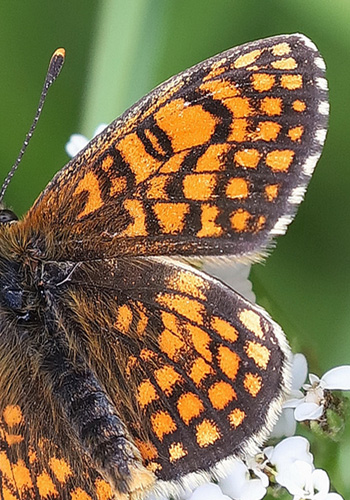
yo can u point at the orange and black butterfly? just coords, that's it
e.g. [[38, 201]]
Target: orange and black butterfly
[[122, 370]]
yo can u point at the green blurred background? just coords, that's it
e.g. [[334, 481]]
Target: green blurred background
[[117, 51]]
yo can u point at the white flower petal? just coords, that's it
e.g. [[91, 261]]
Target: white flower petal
[[232, 484], [308, 411], [286, 424], [299, 370], [337, 379], [314, 379], [206, 491], [76, 143], [293, 402], [253, 490], [334, 496], [320, 481], [289, 450], [296, 478]]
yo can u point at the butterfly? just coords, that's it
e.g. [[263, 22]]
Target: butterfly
[[122, 369]]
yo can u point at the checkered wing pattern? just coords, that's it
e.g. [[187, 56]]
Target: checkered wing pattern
[[213, 161]]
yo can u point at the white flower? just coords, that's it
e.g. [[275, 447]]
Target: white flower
[[286, 452], [306, 483], [239, 484], [286, 424], [208, 491], [77, 142], [310, 406]]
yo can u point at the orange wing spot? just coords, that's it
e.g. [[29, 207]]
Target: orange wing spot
[[137, 212], [201, 341], [220, 89], [188, 283], [12, 415], [7, 495], [239, 220], [171, 216], [147, 449], [124, 319], [146, 393], [207, 433], [213, 158], [131, 364], [199, 186], [154, 467], [176, 451], [154, 141], [280, 160], [174, 163], [103, 490], [171, 341], [189, 308], [262, 82], [291, 82], [147, 354], [60, 468], [12, 439], [89, 184], [200, 370], [79, 494], [162, 424], [46, 486], [107, 163], [189, 406], [238, 132], [267, 131], [143, 321], [281, 49], [271, 191], [221, 394], [287, 63], [299, 106], [247, 59], [236, 417], [156, 188], [118, 185], [21, 476], [259, 353], [216, 69], [248, 158], [239, 106], [229, 361], [32, 455], [237, 188], [260, 223], [186, 125], [295, 133], [224, 329], [5, 466], [271, 106], [252, 384], [142, 164], [167, 378], [251, 320], [209, 228], [171, 344]]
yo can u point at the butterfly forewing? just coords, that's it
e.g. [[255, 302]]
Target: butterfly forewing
[[213, 161]]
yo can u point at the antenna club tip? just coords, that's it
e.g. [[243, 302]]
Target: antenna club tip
[[59, 53], [56, 64]]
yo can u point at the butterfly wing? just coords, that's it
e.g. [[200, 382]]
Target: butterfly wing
[[213, 161], [196, 372]]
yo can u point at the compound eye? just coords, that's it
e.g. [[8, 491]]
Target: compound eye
[[7, 216]]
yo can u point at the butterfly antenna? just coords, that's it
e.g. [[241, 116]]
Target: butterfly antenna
[[53, 71]]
